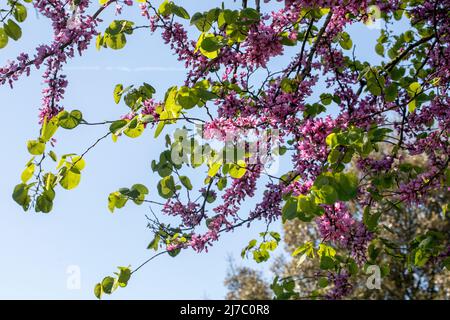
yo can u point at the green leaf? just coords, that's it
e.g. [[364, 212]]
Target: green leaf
[[165, 8], [20, 12], [421, 258], [371, 221], [222, 183], [282, 150], [398, 14], [414, 90], [307, 249], [49, 181], [154, 244], [261, 256], [140, 188], [208, 38], [186, 182], [397, 73], [345, 41], [118, 27], [134, 130], [347, 186], [70, 120], [98, 290], [35, 147], [326, 195], [287, 85], [166, 187], [252, 243], [174, 253], [116, 200], [201, 21], [118, 90], [159, 128], [28, 173], [373, 252], [13, 30], [53, 156], [323, 282], [409, 36], [107, 285], [333, 156], [332, 140], [214, 168], [391, 92], [99, 42], [326, 262], [446, 263], [307, 208], [77, 162], [379, 49], [374, 87], [447, 177], [124, 276], [352, 267], [44, 202], [238, 170], [164, 169], [20, 195], [187, 98], [250, 14], [71, 178], [326, 250], [117, 125], [116, 42], [211, 44], [412, 105], [49, 128], [289, 210], [326, 98], [180, 12], [3, 38]]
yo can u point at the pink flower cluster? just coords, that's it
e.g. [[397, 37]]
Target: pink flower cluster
[[232, 199], [238, 191], [72, 31], [337, 225], [227, 129], [119, 7], [188, 212], [262, 36], [312, 149], [342, 286], [270, 206], [52, 94], [377, 165]]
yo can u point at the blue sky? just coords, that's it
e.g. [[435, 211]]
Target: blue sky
[[37, 249]]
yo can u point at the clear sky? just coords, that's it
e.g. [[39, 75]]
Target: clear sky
[[37, 249]]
